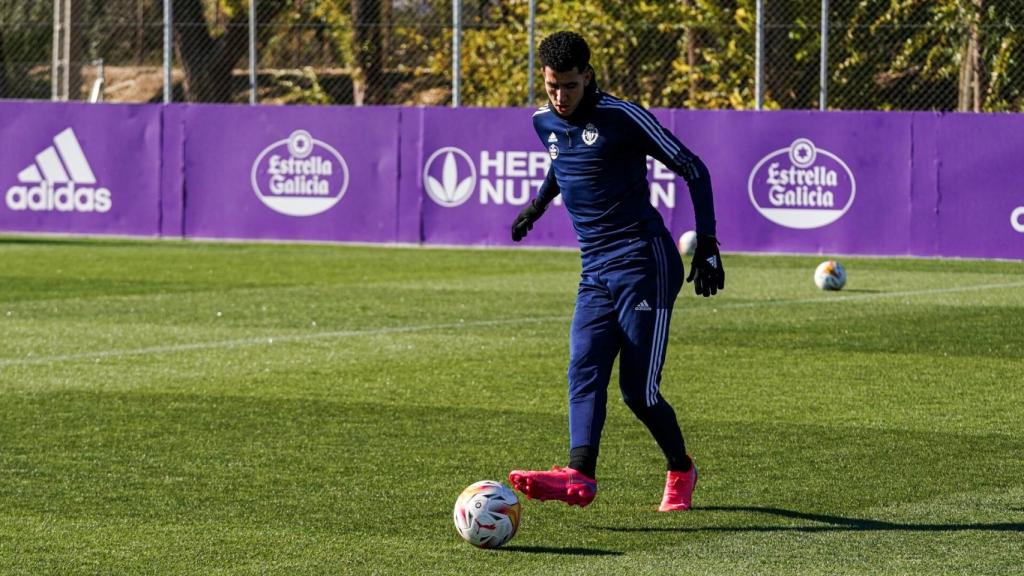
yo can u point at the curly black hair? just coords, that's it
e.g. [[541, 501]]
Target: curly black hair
[[563, 51]]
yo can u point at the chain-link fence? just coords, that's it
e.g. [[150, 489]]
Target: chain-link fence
[[963, 55], [43, 57], [911, 55]]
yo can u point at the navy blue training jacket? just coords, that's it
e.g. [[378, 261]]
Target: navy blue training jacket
[[599, 166]]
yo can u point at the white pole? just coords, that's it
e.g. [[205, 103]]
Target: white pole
[[55, 60], [65, 72], [96, 94], [168, 33], [532, 40], [823, 81], [759, 58], [252, 51], [456, 50]]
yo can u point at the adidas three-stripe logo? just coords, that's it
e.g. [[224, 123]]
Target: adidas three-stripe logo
[[78, 169], [59, 180], [643, 306]]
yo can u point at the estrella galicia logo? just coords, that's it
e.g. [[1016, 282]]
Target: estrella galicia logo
[[300, 175], [1017, 219], [449, 177], [802, 186]]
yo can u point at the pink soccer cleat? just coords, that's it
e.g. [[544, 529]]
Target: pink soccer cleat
[[679, 490], [565, 484]]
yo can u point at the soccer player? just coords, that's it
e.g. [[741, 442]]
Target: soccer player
[[631, 268]]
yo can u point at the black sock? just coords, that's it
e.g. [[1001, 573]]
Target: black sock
[[584, 459], [660, 419], [680, 464]]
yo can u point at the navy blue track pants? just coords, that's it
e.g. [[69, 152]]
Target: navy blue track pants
[[623, 308]]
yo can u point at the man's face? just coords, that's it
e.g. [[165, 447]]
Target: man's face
[[565, 89]]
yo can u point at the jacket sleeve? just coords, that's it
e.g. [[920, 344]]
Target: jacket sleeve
[[548, 190], [662, 145]]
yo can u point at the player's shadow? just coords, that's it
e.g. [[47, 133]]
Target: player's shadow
[[568, 551], [823, 523]]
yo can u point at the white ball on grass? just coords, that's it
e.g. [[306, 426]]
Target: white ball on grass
[[830, 275], [487, 514], [688, 242]]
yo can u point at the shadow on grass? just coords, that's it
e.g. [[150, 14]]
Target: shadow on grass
[[862, 290], [831, 524], [72, 241], [569, 551]]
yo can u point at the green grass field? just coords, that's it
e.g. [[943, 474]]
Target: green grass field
[[202, 408]]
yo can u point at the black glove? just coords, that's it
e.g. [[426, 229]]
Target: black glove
[[706, 270], [524, 222]]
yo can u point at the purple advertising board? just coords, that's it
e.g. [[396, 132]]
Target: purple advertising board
[[921, 184], [474, 170], [172, 174], [978, 207], [293, 173], [79, 168], [806, 182], [785, 182]]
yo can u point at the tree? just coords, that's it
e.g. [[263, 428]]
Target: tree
[[970, 64], [722, 71], [367, 42], [938, 55], [694, 40], [78, 53], [208, 58], [3, 67], [697, 53], [25, 46]]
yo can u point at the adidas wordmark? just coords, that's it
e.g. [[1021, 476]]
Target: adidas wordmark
[[59, 180]]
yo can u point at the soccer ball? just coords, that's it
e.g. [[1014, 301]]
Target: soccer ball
[[688, 242], [830, 275], [487, 514]]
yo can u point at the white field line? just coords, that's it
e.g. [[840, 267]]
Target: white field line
[[269, 340], [874, 295]]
